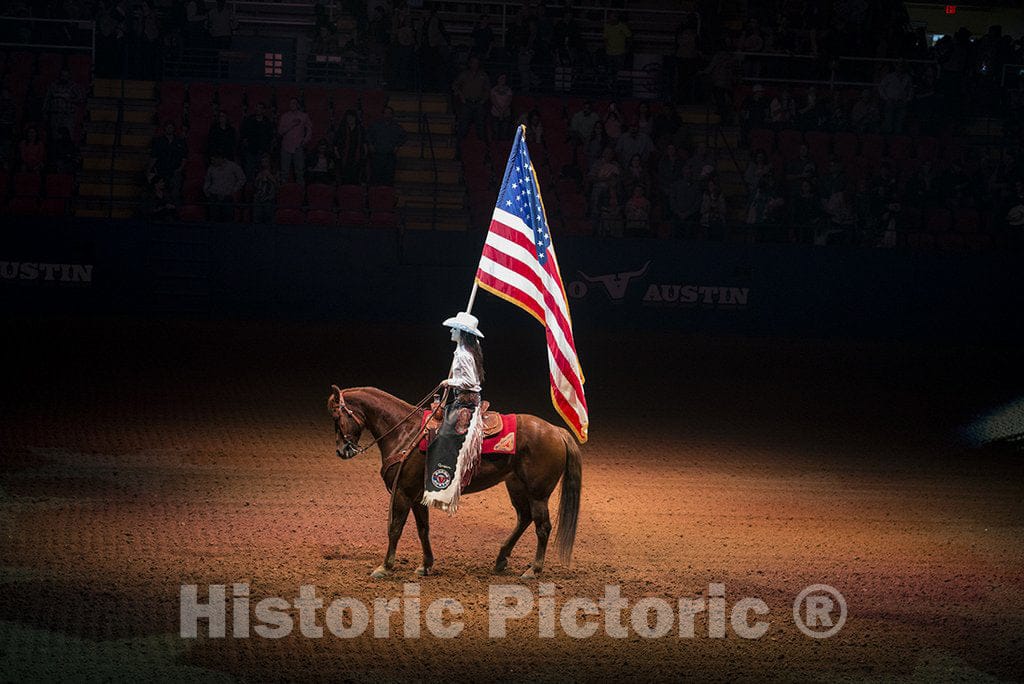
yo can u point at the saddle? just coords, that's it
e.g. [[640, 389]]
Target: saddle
[[491, 421], [499, 430]]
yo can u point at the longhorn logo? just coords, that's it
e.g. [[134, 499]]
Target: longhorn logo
[[615, 284]]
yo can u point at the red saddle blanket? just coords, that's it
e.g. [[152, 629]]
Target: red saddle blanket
[[501, 442]]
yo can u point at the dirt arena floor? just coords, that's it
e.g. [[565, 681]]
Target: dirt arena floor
[[138, 457]]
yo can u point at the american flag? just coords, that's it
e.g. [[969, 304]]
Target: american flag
[[519, 265]]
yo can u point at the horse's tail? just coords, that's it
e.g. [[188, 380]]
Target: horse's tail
[[569, 507]]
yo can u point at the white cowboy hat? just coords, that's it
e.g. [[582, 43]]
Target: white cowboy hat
[[464, 322]]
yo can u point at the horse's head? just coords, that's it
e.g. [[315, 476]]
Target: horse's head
[[347, 426]]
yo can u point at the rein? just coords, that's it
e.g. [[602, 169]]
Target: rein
[[356, 449]]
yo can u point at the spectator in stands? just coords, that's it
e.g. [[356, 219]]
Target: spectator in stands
[[534, 127], [687, 55], [8, 114], [403, 51], [256, 138], [670, 167], [668, 127], [865, 117], [322, 167], [811, 114], [766, 207], [61, 102], [800, 168], [222, 24], [755, 113], [782, 109], [713, 210], [350, 150], [922, 189], [841, 219], [222, 140], [837, 119], [64, 154], [610, 213], [31, 150], [613, 123], [224, 178], [702, 161], [472, 90], [596, 145], [295, 130], [385, 137], [617, 44], [644, 120], [633, 143], [685, 198], [806, 213], [196, 34], [157, 204], [723, 72], [264, 191], [436, 47], [604, 173], [638, 213], [635, 174], [582, 123], [834, 178], [757, 169], [483, 37], [168, 153], [896, 90], [501, 109]]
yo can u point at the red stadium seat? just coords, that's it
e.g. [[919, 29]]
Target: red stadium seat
[[978, 241], [192, 213], [23, 206], [381, 198], [950, 241], [920, 240], [290, 196], [927, 148], [872, 146], [789, 143], [818, 144], [59, 185], [938, 220], [384, 219], [27, 184], [192, 191], [172, 102], [845, 146], [352, 197], [966, 220], [762, 139], [352, 217], [320, 196], [229, 99], [900, 146], [53, 206], [289, 217], [200, 100], [80, 67], [321, 217]]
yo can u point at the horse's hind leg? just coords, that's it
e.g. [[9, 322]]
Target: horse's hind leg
[[521, 502], [400, 504], [422, 515], [542, 521]]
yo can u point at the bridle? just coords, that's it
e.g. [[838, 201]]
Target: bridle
[[351, 446]]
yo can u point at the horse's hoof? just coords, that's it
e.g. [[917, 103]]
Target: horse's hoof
[[423, 571], [380, 573], [500, 565], [530, 573]]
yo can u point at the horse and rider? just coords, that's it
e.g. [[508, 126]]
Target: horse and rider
[[453, 465]]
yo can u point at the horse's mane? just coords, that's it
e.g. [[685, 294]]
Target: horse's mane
[[379, 398]]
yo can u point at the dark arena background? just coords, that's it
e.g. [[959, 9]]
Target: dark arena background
[[790, 234]]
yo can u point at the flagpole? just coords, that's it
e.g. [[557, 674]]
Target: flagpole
[[472, 296]]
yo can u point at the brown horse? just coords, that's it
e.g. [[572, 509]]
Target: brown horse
[[544, 453]]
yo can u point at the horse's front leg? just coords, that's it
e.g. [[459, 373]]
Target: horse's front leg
[[422, 515], [400, 504]]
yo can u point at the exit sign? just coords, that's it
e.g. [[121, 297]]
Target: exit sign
[[950, 9]]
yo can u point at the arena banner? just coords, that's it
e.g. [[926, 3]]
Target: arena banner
[[415, 276]]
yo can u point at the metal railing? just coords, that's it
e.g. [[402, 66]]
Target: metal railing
[[48, 34]]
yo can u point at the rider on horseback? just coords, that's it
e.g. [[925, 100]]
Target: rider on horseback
[[454, 455]]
